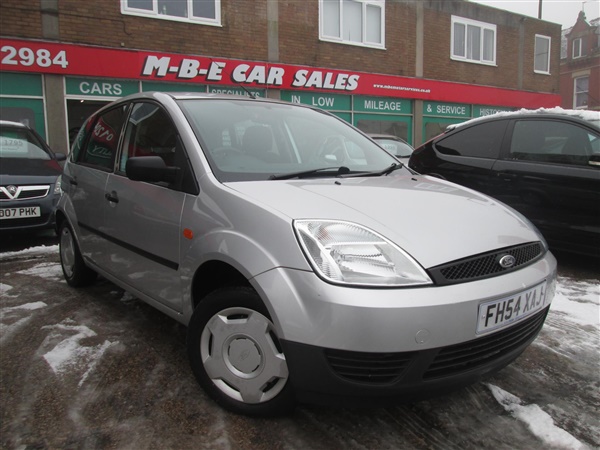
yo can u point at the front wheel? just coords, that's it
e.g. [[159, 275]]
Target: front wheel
[[74, 269], [236, 356]]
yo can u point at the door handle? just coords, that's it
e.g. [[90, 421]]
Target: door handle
[[507, 176], [112, 197]]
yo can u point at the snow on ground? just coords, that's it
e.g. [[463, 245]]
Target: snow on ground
[[69, 353], [33, 251], [45, 270], [574, 320], [539, 422]]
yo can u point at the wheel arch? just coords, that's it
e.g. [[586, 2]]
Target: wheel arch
[[212, 275]]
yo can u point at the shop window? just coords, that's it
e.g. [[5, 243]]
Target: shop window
[[473, 41], [577, 48], [354, 22], [542, 54], [580, 92], [206, 12]]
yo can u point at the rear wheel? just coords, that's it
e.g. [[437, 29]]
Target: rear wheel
[[76, 272], [236, 356]]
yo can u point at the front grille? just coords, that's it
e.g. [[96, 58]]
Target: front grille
[[459, 358], [372, 368], [23, 192], [485, 265]]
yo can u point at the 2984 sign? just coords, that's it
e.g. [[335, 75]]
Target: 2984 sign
[[27, 57]]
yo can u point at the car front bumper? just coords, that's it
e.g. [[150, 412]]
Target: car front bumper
[[46, 220], [337, 338]]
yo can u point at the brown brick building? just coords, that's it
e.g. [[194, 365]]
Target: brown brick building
[[580, 65], [407, 67]]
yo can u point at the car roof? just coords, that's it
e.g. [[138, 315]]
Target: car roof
[[584, 116]]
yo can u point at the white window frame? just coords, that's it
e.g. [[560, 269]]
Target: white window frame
[[577, 45], [575, 93], [546, 70], [484, 27], [156, 14], [340, 39]]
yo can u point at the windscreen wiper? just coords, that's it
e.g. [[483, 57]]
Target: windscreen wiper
[[377, 173], [341, 170]]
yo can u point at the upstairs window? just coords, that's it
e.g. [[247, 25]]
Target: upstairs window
[[354, 22], [577, 48], [207, 12], [580, 92], [542, 54], [473, 41]]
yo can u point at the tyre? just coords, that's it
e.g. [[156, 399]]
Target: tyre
[[74, 269], [236, 356]]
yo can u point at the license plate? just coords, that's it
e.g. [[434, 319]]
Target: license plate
[[20, 213], [499, 313]]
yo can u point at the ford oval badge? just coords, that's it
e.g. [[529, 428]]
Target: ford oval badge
[[507, 261]]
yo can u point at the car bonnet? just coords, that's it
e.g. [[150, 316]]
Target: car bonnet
[[433, 220]]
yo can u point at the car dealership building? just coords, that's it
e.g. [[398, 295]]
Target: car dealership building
[[405, 67]]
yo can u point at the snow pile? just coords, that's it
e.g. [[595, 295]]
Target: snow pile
[[538, 421], [589, 116], [33, 251]]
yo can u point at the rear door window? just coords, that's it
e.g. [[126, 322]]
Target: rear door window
[[552, 141], [482, 140], [102, 145]]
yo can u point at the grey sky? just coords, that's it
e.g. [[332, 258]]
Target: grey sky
[[563, 12]]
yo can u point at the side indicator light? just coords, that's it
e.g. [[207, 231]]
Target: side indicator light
[[188, 234]]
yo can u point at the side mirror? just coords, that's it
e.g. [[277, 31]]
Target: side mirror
[[151, 169], [594, 161]]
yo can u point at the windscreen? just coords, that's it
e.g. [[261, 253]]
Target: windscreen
[[254, 140], [20, 143]]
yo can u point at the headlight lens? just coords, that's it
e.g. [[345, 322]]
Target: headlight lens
[[348, 253], [57, 189]]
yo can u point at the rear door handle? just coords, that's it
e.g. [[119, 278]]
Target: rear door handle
[[112, 197], [507, 176]]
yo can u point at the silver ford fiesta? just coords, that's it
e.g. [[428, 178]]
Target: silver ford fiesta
[[307, 263]]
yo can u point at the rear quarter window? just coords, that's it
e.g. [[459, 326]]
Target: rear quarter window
[[482, 140]]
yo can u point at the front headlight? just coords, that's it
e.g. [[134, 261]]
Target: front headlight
[[57, 189], [348, 253]]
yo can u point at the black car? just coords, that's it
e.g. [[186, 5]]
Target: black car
[[544, 163], [29, 179]]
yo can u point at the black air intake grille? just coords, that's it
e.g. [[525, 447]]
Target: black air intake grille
[[485, 265], [372, 368], [469, 355]]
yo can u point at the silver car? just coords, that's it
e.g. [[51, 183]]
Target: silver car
[[306, 262]]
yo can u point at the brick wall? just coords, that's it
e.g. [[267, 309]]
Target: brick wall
[[20, 19], [300, 44], [243, 35]]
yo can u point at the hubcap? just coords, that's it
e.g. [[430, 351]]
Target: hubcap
[[67, 251], [241, 357]]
